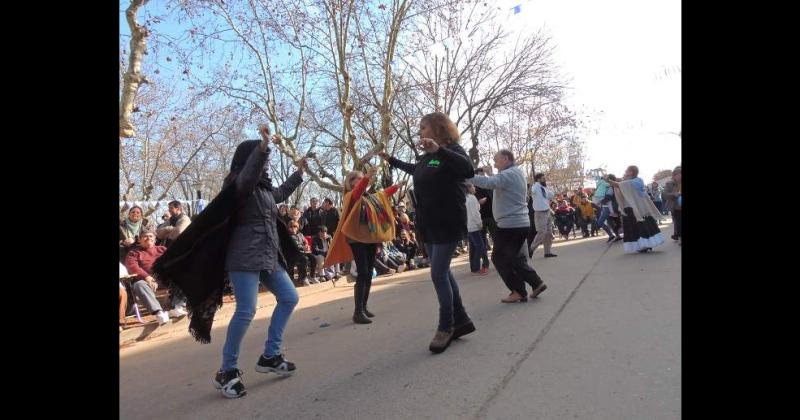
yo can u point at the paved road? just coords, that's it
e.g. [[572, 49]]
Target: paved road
[[603, 342]]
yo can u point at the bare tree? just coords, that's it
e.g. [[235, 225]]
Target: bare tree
[[461, 69]]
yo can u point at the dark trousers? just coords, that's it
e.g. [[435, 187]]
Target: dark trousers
[[510, 263], [451, 310], [678, 222], [477, 251], [364, 256], [304, 263]]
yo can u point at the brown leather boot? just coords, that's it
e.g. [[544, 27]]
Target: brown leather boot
[[440, 341], [514, 297]]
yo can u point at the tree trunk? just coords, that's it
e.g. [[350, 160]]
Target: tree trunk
[[133, 77]]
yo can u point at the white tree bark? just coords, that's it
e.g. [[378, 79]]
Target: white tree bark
[[133, 77]]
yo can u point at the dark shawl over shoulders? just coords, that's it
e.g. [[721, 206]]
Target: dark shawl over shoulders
[[195, 262]]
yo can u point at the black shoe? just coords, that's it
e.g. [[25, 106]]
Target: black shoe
[[230, 383], [618, 238], [275, 364], [675, 237], [361, 318], [550, 255], [463, 329], [368, 313], [610, 239]]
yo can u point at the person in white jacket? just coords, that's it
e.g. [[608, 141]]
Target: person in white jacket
[[477, 248], [541, 205]]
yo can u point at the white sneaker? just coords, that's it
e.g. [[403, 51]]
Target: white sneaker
[[162, 317], [177, 312]]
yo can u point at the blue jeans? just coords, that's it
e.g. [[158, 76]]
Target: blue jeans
[[451, 311], [601, 221], [477, 250], [245, 289]]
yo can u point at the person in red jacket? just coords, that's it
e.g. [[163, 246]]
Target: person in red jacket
[[140, 262]]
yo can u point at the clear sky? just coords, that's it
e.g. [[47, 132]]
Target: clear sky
[[623, 58]]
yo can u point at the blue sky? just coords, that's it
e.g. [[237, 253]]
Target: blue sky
[[623, 58]]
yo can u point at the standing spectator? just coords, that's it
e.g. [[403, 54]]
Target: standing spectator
[[312, 218], [178, 222], [641, 233], [441, 216], [532, 220], [367, 220], [330, 219], [595, 212], [511, 212], [540, 201], [129, 230], [655, 190], [672, 191], [484, 197], [140, 262], [304, 260], [587, 218], [477, 247], [330, 215]]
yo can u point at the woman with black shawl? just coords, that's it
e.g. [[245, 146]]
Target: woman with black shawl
[[239, 233]]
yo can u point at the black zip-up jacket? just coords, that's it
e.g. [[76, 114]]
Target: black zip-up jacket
[[440, 193]]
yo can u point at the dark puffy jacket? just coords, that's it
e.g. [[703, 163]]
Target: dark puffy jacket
[[254, 244]]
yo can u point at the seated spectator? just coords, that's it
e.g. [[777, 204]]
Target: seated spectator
[[296, 215], [140, 263], [408, 246], [403, 223], [565, 218], [178, 222], [305, 260], [165, 217], [320, 246], [129, 230], [123, 297], [395, 254], [385, 264]]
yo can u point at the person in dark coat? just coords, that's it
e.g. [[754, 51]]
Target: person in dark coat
[[439, 198], [239, 233]]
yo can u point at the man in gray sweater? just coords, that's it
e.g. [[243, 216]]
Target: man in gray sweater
[[510, 210]]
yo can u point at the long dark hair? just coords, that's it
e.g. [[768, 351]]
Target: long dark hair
[[243, 151]]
